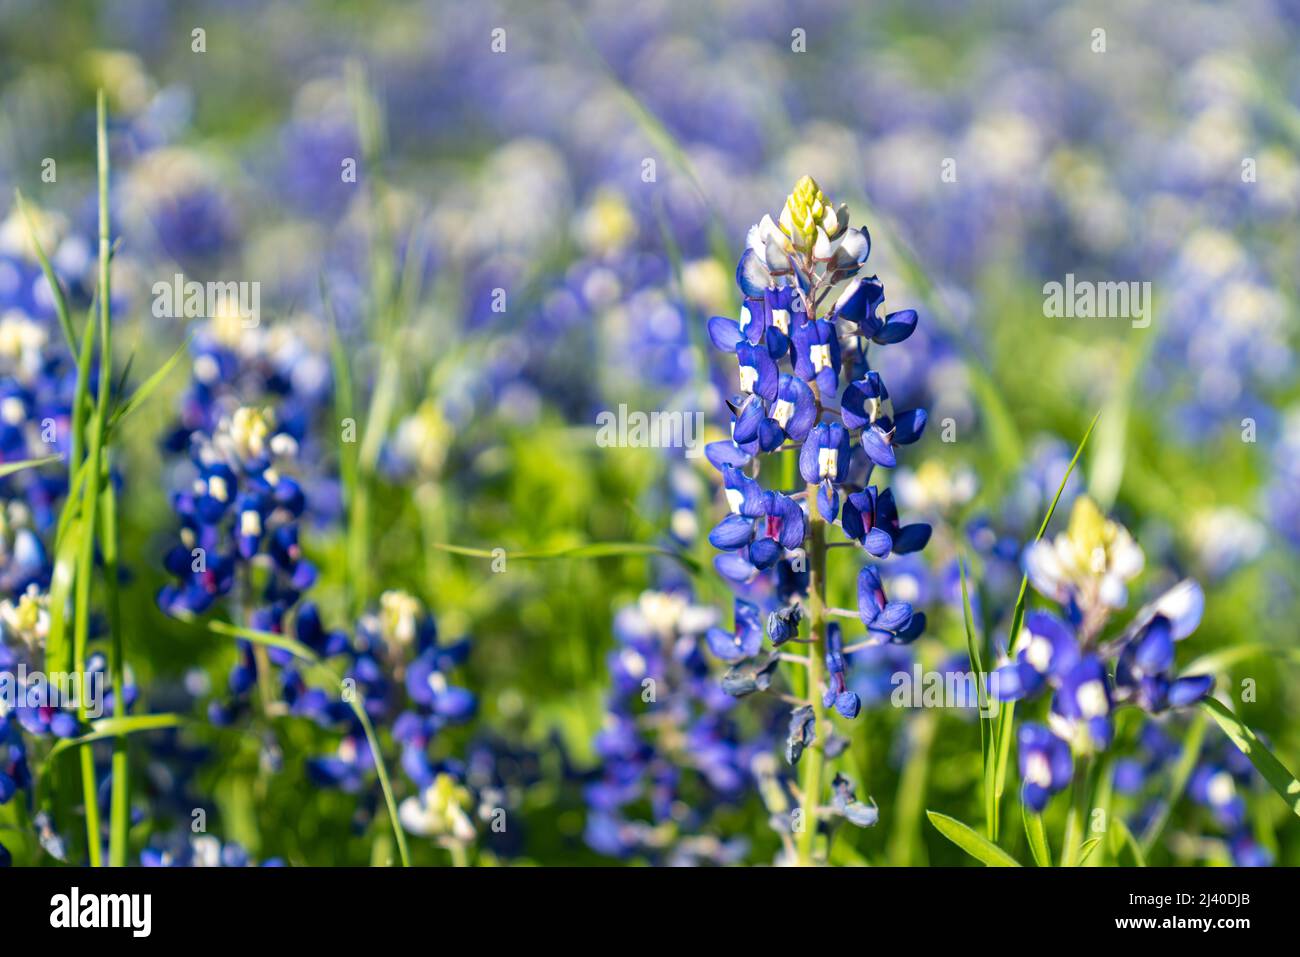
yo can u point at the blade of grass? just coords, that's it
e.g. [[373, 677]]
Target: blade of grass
[[977, 666], [90, 494], [1089, 846], [969, 841], [589, 550], [150, 385], [56, 288], [1006, 713], [1266, 763], [1125, 839], [344, 399], [9, 468], [117, 727], [1037, 835]]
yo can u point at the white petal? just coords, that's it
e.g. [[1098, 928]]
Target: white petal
[[1183, 605]]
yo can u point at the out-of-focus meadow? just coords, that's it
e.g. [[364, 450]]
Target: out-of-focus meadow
[[476, 228]]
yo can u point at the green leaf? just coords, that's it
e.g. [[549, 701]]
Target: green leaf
[[1248, 743], [114, 727], [141, 395], [60, 298], [268, 638], [972, 843], [589, 550], [987, 750], [9, 468], [1037, 834], [384, 784], [1089, 846]]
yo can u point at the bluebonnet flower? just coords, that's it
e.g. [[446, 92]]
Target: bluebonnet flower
[[241, 507], [886, 621], [1085, 568], [668, 738], [836, 412], [1144, 671], [846, 702], [1046, 765], [744, 640], [871, 519]]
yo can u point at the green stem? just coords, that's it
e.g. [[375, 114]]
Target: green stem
[[810, 781], [90, 495], [1076, 819], [119, 813]]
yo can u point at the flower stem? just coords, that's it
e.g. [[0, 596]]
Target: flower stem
[[810, 782], [1080, 805]]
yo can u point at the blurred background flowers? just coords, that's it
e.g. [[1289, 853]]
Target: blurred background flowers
[[475, 227]]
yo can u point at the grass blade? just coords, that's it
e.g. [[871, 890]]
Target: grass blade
[[115, 727], [986, 744], [267, 638], [1089, 846], [1003, 728], [9, 468], [149, 386], [589, 550], [56, 288], [1037, 834], [1266, 763], [969, 841]]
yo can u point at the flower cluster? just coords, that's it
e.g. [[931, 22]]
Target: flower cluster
[[807, 388], [1086, 568], [241, 510], [668, 743]]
